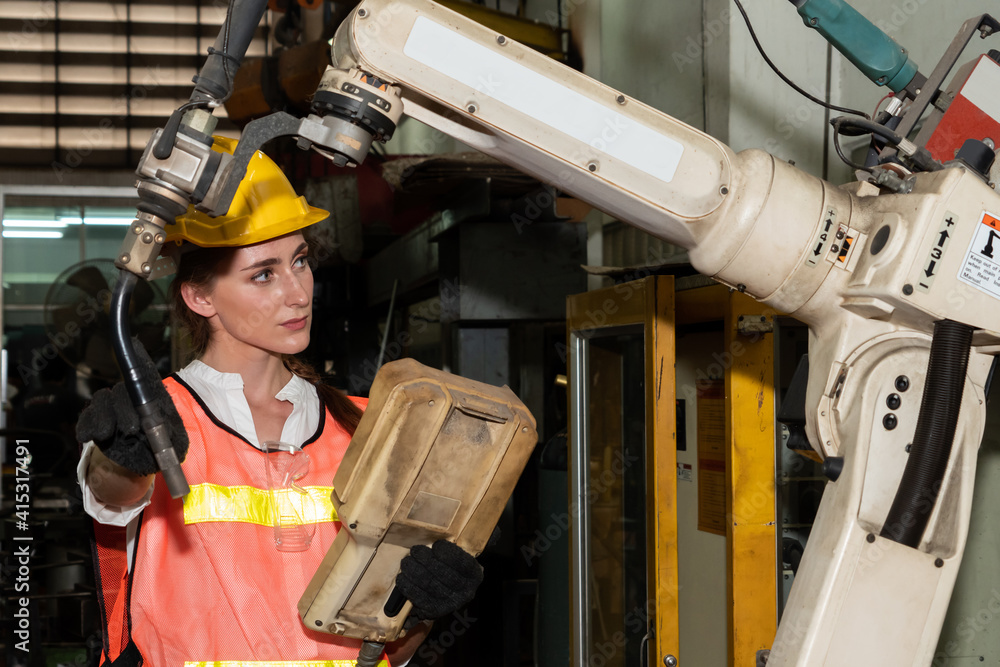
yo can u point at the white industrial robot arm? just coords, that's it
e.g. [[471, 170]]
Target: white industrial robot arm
[[589, 140], [885, 281], [851, 263]]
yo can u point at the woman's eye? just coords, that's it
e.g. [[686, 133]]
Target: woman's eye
[[301, 262], [261, 277]]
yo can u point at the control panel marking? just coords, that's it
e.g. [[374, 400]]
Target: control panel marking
[[932, 265], [842, 248], [827, 231]]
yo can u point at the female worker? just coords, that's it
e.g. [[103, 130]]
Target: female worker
[[209, 580]]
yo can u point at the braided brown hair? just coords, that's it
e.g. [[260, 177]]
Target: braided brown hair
[[199, 267]]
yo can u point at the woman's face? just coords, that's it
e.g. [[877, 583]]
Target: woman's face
[[263, 298]]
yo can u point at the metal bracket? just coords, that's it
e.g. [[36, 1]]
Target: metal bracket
[[943, 101], [751, 325], [332, 135], [983, 26]]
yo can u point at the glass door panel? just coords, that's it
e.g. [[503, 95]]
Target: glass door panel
[[616, 497]]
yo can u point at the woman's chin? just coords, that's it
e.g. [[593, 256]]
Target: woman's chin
[[297, 343]]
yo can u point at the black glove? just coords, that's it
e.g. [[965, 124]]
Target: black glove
[[113, 424], [439, 579]]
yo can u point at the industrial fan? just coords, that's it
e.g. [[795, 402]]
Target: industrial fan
[[77, 319]]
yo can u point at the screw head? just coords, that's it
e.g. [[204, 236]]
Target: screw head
[[501, 40], [870, 538], [892, 401], [902, 383], [670, 661], [362, 12], [907, 289], [592, 166], [813, 21], [723, 190], [938, 562], [890, 422], [620, 99], [472, 108]]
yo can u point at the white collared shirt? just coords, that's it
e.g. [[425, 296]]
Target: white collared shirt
[[222, 394]]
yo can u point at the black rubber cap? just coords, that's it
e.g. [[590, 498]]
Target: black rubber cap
[[833, 466], [977, 155]]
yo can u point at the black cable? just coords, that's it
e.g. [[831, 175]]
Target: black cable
[[784, 78], [862, 127], [920, 158], [226, 58], [843, 158]]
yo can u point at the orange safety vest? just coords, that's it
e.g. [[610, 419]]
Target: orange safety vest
[[207, 586]]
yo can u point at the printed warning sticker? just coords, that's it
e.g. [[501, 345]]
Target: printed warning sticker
[[981, 267]]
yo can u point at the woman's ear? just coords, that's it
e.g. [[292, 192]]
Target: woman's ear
[[197, 300]]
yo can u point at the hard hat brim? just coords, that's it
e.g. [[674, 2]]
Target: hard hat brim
[[229, 233]]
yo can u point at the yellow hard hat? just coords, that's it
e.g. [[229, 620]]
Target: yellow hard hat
[[265, 206]]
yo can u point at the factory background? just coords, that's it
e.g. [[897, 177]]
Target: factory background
[[437, 253]]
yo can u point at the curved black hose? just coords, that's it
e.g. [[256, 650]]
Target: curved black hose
[[371, 654], [141, 394], [932, 443], [753, 36], [920, 158], [862, 126], [214, 82], [121, 339]]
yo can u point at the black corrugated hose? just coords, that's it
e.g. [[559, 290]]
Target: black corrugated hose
[[939, 408]]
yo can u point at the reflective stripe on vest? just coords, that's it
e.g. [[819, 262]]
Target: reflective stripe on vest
[[279, 663], [248, 504]]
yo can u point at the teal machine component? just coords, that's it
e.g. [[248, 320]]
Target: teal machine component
[[873, 52]]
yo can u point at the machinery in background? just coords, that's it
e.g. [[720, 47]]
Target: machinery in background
[[78, 300], [895, 274]]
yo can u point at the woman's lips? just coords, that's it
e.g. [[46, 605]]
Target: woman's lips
[[295, 325]]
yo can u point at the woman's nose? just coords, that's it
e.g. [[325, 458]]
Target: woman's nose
[[298, 292]]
